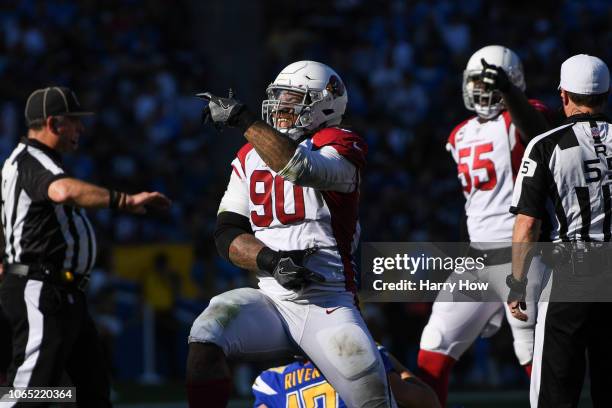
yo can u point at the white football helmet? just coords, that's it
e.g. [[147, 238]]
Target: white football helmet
[[304, 97], [488, 104]]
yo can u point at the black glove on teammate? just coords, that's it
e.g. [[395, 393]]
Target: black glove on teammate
[[494, 77], [226, 112], [286, 267]]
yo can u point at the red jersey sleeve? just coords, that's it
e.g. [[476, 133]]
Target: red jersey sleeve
[[346, 142]]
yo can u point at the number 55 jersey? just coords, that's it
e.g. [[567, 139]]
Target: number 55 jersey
[[488, 154], [322, 212]]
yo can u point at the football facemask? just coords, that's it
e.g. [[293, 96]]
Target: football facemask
[[289, 109], [486, 103]]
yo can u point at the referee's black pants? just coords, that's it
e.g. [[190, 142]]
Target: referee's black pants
[[568, 333], [52, 333], [5, 346]]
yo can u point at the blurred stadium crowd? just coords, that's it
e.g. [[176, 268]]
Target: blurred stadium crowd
[[137, 63]]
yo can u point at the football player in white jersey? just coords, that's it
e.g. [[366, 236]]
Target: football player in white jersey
[[290, 214], [488, 149]]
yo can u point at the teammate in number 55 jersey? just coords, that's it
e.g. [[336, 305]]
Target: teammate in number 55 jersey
[[290, 214], [488, 149]]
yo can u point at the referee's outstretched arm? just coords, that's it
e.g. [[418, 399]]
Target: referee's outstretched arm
[[79, 193]]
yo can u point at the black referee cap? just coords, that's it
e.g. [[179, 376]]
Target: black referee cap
[[52, 101]]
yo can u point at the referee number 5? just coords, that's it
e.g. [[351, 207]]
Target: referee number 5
[[528, 167]]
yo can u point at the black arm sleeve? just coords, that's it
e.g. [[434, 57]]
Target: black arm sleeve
[[229, 226], [528, 116]]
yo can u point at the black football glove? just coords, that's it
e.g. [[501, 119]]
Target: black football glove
[[494, 77], [287, 267], [518, 290], [224, 112]]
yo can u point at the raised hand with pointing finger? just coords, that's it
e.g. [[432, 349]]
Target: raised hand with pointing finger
[[494, 77]]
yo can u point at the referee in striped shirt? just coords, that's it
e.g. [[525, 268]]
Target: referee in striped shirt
[[50, 248], [565, 181]]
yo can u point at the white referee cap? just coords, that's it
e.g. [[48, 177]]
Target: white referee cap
[[585, 75]]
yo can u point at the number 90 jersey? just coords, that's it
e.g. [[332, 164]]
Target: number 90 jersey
[[287, 216], [488, 155]]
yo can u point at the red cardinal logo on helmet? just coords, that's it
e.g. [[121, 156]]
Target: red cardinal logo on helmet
[[335, 86]]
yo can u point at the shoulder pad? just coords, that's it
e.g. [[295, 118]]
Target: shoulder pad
[[456, 129], [348, 143]]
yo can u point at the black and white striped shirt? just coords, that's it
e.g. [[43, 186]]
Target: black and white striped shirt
[[38, 231], [566, 178]]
